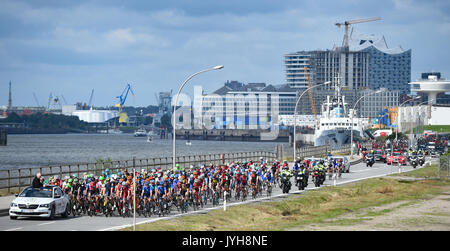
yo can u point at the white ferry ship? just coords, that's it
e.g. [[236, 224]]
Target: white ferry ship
[[334, 126]]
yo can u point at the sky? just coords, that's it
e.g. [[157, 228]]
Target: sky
[[68, 48]]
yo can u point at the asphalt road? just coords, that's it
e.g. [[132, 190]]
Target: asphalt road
[[101, 223]]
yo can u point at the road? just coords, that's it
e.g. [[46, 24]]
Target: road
[[101, 223]]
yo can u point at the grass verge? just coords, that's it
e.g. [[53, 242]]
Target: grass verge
[[312, 207]]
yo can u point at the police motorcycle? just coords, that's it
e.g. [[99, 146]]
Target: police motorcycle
[[413, 160], [421, 159], [300, 178], [370, 160], [285, 182]]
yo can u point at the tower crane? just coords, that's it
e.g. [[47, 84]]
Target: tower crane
[[311, 98], [357, 21]]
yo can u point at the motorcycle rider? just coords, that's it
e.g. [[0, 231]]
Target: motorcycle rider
[[322, 169], [285, 172], [302, 171]]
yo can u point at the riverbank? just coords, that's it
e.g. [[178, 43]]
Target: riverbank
[[343, 206]]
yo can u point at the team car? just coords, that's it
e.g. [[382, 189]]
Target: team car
[[396, 157], [44, 202]]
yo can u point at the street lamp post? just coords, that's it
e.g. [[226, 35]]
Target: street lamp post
[[353, 111], [295, 113], [175, 107], [398, 113]]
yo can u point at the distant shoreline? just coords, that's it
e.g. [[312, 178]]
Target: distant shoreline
[[40, 131]]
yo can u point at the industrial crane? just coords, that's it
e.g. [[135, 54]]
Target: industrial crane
[[90, 99], [311, 98], [123, 97], [347, 23], [35, 99]]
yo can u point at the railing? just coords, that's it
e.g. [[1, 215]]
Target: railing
[[22, 177]]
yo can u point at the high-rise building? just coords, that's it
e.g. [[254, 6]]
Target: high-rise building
[[368, 65], [389, 68]]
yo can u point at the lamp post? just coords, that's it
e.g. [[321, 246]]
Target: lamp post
[[295, 113], [423, 122], [353, 111], [175, 107], [398, 113]]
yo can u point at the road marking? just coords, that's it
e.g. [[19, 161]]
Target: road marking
[[245, 202], [256, 200], [13, 229], [365, 170], [47, 223], [208, 209]]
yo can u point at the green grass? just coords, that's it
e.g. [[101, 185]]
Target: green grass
[[312, 207], [436, 128]]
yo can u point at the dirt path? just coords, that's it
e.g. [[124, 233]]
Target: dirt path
[[432, 214]]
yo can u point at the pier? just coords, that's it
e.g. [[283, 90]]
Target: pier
[[230, 135]]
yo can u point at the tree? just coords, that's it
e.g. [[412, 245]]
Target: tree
[[166, 121]]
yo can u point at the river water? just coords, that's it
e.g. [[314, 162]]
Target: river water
[[35, 150]]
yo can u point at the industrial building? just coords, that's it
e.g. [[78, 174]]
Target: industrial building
[[243, 106]]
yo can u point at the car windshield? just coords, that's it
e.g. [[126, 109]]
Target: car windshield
[[42, 192]]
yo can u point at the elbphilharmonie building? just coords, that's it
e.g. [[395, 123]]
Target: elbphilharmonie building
[[367, 64]]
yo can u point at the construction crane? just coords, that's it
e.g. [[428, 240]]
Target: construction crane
[[347, 23], [35, 99], [123, 97], [90, 99], [311, 98]]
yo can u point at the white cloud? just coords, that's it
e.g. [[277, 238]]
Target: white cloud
[[162, 46]]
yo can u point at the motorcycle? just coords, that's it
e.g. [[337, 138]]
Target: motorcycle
[[413, 161], [316, 178], [285, 184], [370, 160], [421, 160], [300, 180]]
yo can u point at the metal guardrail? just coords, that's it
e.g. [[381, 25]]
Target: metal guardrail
[[22, 177]]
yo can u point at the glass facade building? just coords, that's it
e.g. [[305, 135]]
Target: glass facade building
[[367, 65]]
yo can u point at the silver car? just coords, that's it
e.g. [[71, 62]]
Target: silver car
[[44, 202]]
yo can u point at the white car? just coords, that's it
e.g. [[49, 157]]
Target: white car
[[44, 202]]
